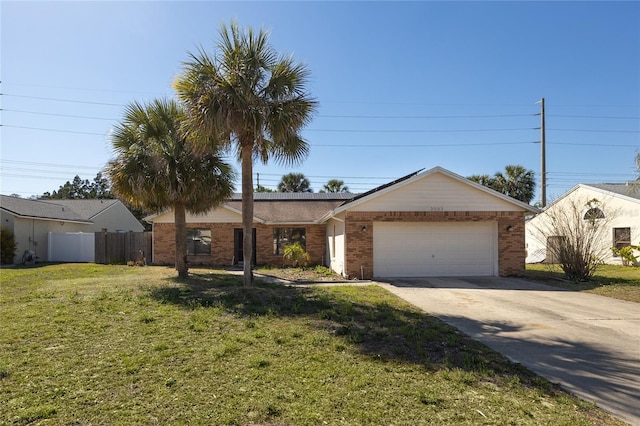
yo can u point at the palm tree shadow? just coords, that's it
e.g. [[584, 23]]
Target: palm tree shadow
[[380, 329]]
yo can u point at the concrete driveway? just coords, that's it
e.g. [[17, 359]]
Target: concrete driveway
[[589, 344]]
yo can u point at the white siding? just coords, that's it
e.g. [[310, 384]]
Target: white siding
[[115, 218], [33, 234], [436, 192], [335, 246], [620, 212]]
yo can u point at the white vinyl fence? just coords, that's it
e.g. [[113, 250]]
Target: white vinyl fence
[[71, 247]]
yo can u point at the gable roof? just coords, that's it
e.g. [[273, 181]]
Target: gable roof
[[82, 211], [413, 177], [306, 207], [629, 192]]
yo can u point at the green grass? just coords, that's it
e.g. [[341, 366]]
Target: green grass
[[96, 344], [618, 282]]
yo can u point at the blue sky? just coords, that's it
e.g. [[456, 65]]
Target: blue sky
[[401, 86]]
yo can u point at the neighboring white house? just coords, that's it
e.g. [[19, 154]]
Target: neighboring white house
[[31, 221], [618, 206]]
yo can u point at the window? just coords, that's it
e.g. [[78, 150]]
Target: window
[[593, 214], [621, 237], [282, 237], [198, 242]]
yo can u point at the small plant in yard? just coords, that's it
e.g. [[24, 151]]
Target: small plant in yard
[[627, 255], [296, 254]]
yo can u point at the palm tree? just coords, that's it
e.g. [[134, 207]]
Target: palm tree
[[335, 185], [156, 167], [294, 182], [484, 180], [517, 182], [252, 100]]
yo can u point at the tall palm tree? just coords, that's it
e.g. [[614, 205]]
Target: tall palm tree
[[335, 185], [157, 167], [294, 182], [252, 100]]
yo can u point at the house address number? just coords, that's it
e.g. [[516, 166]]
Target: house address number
[[437, 208]]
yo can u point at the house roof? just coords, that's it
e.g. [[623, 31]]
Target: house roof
[[626, 191], [376, 192], [82, 211], [305, 210], [631, 190], [306, 207], [296, 196]]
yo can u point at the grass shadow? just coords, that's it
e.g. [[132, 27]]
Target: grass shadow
[[366, 317]]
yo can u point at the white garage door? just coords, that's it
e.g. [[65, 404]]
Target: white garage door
[[416, 249]]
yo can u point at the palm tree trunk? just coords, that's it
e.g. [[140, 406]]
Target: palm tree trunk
[[180, 221], [247, 213]]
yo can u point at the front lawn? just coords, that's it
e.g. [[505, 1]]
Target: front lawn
[[619, 282], [97, 344]]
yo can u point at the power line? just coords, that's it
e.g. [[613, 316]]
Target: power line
[[424, 116], [61, 100], [52, 130], [418, 131], [32, 163], [57, 115], [399, 145], [595, 130], [593, 116]]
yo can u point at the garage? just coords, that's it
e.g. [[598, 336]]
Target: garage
[[416, 249]]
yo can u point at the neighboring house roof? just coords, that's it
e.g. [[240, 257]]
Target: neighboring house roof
[[82, 211], [631, 190]]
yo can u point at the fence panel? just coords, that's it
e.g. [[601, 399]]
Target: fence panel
[[70, 247], [122, 247]]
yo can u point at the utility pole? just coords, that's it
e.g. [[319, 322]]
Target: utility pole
[[258, 180], [543, 157]]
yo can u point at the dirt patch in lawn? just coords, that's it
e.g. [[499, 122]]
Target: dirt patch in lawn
[[297, 274]]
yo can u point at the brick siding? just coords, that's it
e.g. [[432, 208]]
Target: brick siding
[[222, 243], [359, 246]]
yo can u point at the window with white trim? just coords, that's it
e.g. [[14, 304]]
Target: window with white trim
[[621, 238]]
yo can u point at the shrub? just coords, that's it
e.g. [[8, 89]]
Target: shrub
[[296, 254], [626, 253], [8, 246]]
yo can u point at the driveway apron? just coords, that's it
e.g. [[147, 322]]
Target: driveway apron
[[588, 344]]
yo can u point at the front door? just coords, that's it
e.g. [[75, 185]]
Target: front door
[[238, 251]]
